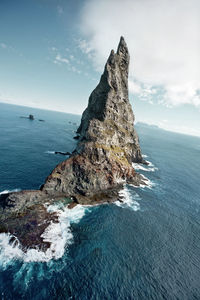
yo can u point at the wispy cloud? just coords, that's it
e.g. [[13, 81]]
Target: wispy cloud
[[84, 46], [163, 40], [13, 50], [75, 70], [60, 10], [70, 62], [59, 59], [145, 92], [3, 46]]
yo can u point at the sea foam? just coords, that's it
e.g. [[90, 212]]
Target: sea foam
[[9, 191], [50, 152], [148, 168], [128, 199], [148, 183], [59, 236]]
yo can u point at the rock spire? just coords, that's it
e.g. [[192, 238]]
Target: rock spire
[[108, 142], [109, 118]]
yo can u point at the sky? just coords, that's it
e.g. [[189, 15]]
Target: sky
[[52, 53]]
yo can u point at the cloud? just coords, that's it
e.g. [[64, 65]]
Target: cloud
[[145, 92], [163, 40], [182, 94], [59, 59], [134, 87], [85, 46], [70, 65], [12, 50], [75, 70], [179, 128], [167, 125], [60, 10], [2, 45]]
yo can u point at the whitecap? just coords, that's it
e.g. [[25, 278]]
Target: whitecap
[[128, 199], [50, 152], [150, 164], [148, 168], [148, 183], [8, 249], [144, 155], [10, 191], [59, 236]]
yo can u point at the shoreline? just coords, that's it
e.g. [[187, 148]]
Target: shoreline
[[27, 226]]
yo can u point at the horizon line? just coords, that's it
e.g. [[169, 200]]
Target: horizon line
[[65, 112]]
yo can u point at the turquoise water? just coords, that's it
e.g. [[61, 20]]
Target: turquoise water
[[148, 248]]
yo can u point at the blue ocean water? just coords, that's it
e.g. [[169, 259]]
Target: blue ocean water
[[148, 248]]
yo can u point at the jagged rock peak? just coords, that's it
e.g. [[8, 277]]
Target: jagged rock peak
[[113, 85], [122, 46], [109, 118], [108, 142]]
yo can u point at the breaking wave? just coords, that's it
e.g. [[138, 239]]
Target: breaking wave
[[128, 199], [148, 183], [9, 191], [50, 152], [149, 168], [59, 236]]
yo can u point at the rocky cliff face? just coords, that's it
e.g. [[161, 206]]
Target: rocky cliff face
[[108, 119], [100, 164]]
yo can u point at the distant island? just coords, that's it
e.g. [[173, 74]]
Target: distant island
[[31, 117], [95, 172], [142, 124]]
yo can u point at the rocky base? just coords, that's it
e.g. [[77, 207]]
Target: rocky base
[[28, 226], [28, 223]]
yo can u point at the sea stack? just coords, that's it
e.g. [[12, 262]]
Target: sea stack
[[31, 117], [108, 142], [97, 169]]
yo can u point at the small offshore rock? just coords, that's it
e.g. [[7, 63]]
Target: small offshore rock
[[76, 137], [31, 117], [62, 153]]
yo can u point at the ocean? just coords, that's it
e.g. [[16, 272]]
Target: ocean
[[146, 248]]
